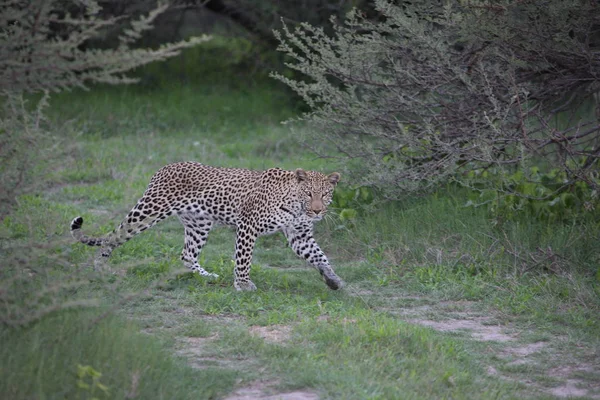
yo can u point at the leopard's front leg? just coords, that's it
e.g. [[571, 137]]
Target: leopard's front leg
[[244, 247], [300, 239]]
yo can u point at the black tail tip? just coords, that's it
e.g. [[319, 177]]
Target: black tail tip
[[334, 284], [76, 223]]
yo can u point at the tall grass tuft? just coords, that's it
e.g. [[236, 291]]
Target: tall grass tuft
[[60, 356]]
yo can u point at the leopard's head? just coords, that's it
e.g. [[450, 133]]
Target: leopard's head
[[316, 191]]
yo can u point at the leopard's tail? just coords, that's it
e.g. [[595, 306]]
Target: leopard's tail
[[76, 225]]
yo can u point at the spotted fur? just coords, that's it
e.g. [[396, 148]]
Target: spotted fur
[[256, 203]]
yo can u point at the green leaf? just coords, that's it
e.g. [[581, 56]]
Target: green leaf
[[102, 387], [568, 199], [528, 189], [348, 214], [82, 385]]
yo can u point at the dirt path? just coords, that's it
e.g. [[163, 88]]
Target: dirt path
[[197, 351], [541, 362]]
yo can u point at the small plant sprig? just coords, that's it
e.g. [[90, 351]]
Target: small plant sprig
[[545, 195], [88, 381]]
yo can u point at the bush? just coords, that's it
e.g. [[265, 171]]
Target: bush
[[425, 94], [47, 46], [21, 131], [534, 194]]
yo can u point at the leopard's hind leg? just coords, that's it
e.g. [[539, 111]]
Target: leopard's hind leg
[[196, 233]]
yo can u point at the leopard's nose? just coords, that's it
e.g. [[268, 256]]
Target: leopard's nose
[[317, 212]]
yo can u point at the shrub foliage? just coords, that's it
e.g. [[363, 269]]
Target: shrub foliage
[[424, 94], [53, 45], [47, 45]]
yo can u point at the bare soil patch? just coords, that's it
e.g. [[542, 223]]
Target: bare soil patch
[[573, 387], [273, 333], [263, 391], [526, 349], [475, 327], [195, 350], [200, 355]]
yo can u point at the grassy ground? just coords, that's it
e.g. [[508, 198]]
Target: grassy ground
[[439, 303]]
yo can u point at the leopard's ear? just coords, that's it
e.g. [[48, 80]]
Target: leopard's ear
[[300, 174], [334, 178]]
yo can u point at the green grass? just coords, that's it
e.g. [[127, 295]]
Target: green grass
[[42, 362], [371, 356], [532, 270], [426, 258]]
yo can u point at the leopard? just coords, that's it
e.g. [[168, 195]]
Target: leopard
[[254, 202]]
